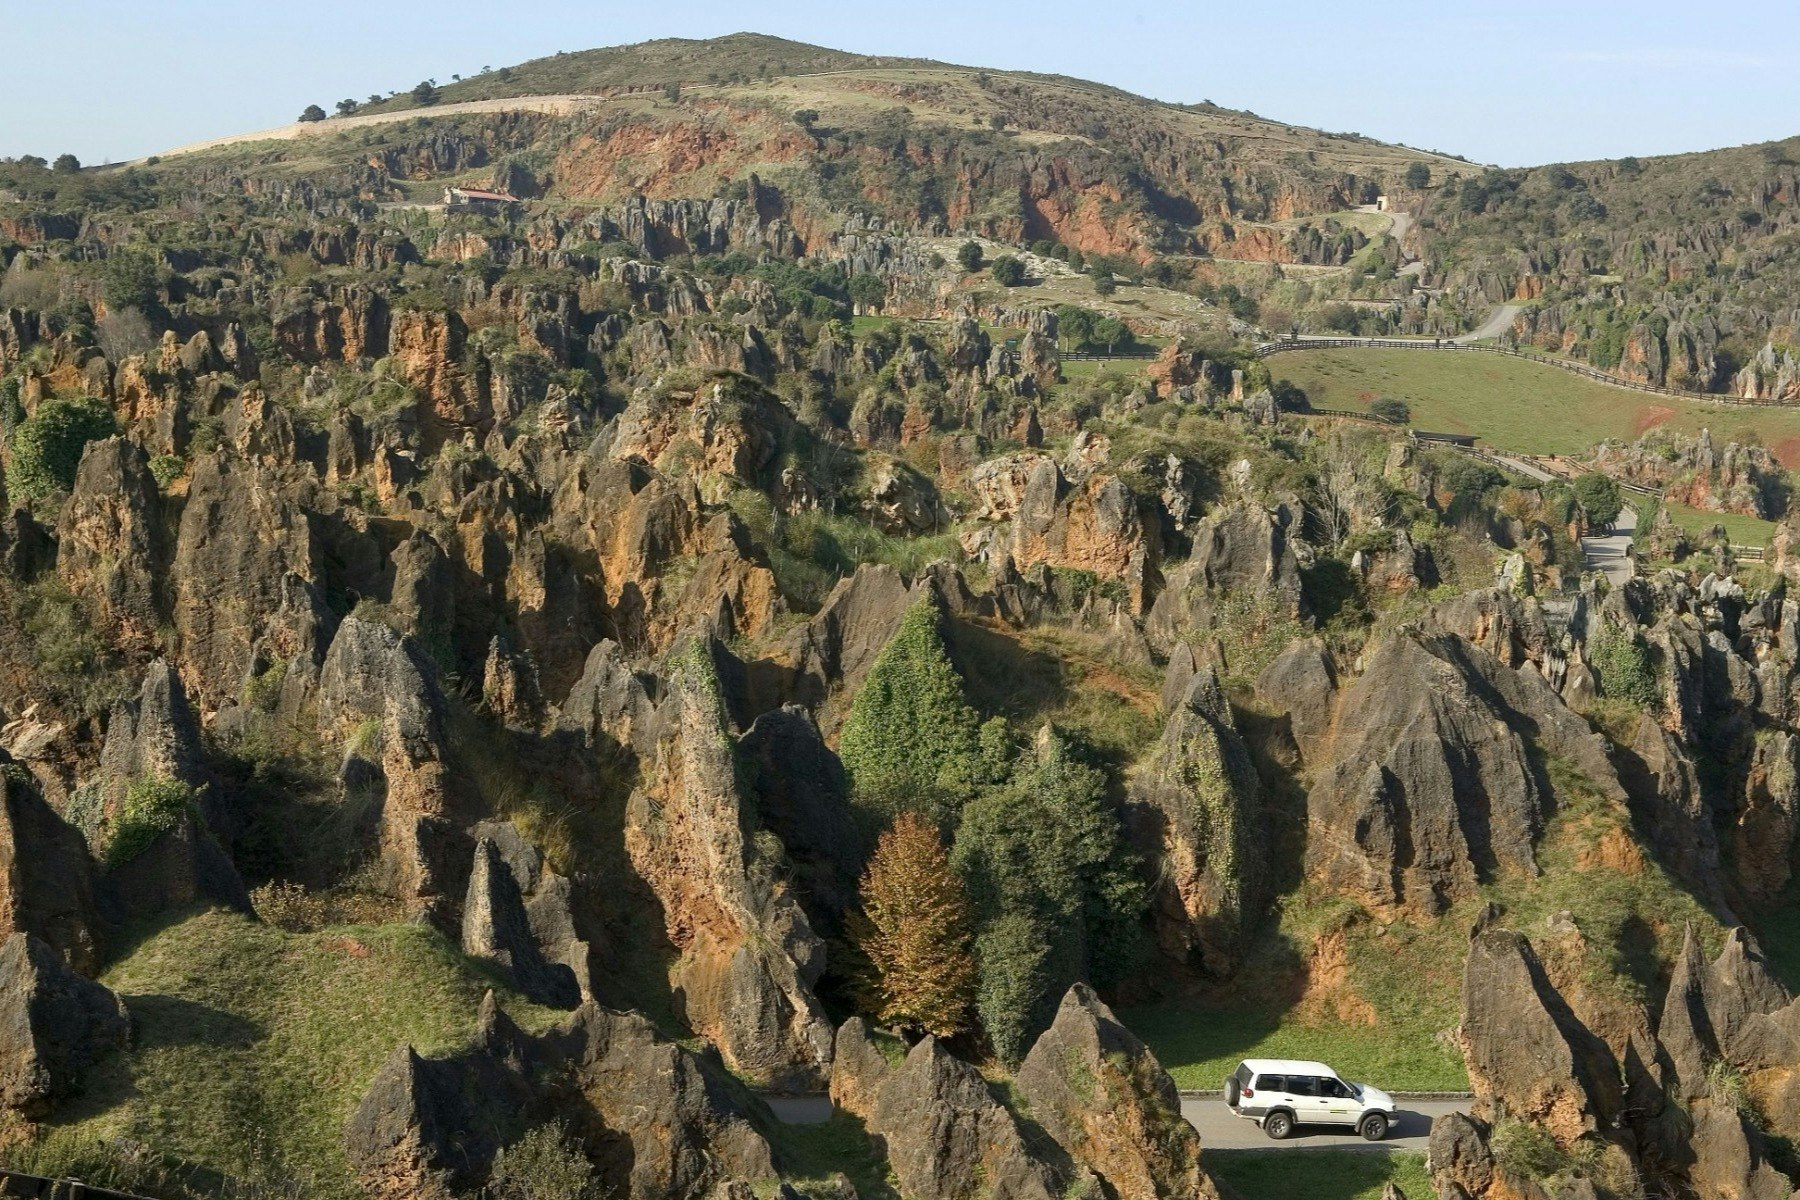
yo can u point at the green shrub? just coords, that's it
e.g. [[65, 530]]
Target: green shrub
[[153, 806], [911, 742], [47, 445], [1623, 665], [1528, 1150], [1391, 409], [1008, 271], [545, 1164], [166, 469]]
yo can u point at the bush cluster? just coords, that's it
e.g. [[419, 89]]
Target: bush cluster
[[47, 445], [153, 805]]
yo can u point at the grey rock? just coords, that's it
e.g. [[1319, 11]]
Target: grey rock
[[54, 1026]]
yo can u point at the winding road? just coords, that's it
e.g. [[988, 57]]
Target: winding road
[[1219, 1128]]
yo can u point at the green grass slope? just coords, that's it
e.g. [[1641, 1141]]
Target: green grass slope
[[1513, 404], [254, 1045]]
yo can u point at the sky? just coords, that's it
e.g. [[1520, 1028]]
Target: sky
[[1513, 82]]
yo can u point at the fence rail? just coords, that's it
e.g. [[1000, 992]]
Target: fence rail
[[1267, 349]]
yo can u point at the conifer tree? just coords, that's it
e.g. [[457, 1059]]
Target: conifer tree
[[911, 741], [916, 931]]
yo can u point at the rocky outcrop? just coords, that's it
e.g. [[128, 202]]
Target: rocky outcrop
[[378, 695], [748, 958], [685, 1133], [154, 736], [654, 1120], [1105, 1100], [1528, 1055], [496, 927], [1196, 817], [1244, 551], [110, 541], [803, 798], [1772, 376], [1693, 471], [54, 1026], [244, 580], [1683, 1112], [46, 876], [1426, 783], [1090, 524], [932, 1115]]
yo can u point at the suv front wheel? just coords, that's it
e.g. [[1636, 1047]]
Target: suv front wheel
[[1374, 1127], [1278, 1125]]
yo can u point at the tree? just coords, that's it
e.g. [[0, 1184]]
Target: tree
[[132, 279], [1104, 283], [915, 930], [1418, 175], [1076, 324], [867, 291], [47, 446], [374, 98], [805, 117], [911, 742], [66, 163], [312, 113], [1008, 271], [1058, 893], [1599, 498], [1391, 409], [425, 92], [672, 92], [970, 256], [346, 107], [1111, 333]]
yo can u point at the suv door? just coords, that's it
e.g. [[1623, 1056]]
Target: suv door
[[1337, 1102], [1309, 1107]]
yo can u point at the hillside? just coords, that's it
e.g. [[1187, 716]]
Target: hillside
[[1678, 270], [820, 594]]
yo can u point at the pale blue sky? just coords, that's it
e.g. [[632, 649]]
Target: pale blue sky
[[1511, 81]]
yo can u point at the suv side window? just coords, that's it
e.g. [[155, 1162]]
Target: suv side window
[[1333, 1088], [1271, 1083], [1302, 1085]]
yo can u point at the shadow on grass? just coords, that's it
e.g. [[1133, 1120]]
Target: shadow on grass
[[1317, 1174], [159, 1021]]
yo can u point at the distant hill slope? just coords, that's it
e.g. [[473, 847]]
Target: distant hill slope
[[919, 145]]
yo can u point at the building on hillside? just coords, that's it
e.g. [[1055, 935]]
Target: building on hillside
[[476, 200]]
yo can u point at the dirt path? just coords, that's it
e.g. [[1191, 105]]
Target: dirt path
[[555, 106]]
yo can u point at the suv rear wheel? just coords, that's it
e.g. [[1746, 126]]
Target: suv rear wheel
[[1232, 1090], [1278, 1125], [1374, 1127]]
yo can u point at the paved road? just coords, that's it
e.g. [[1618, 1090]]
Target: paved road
[[1498, 322], [1219, 1129], [1611, 554], [1528, 469]]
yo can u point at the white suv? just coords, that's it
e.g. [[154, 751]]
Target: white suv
[[1280, 1094]]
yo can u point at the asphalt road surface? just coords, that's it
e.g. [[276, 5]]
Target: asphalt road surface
[[1219, 1129], [1611, 554]]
